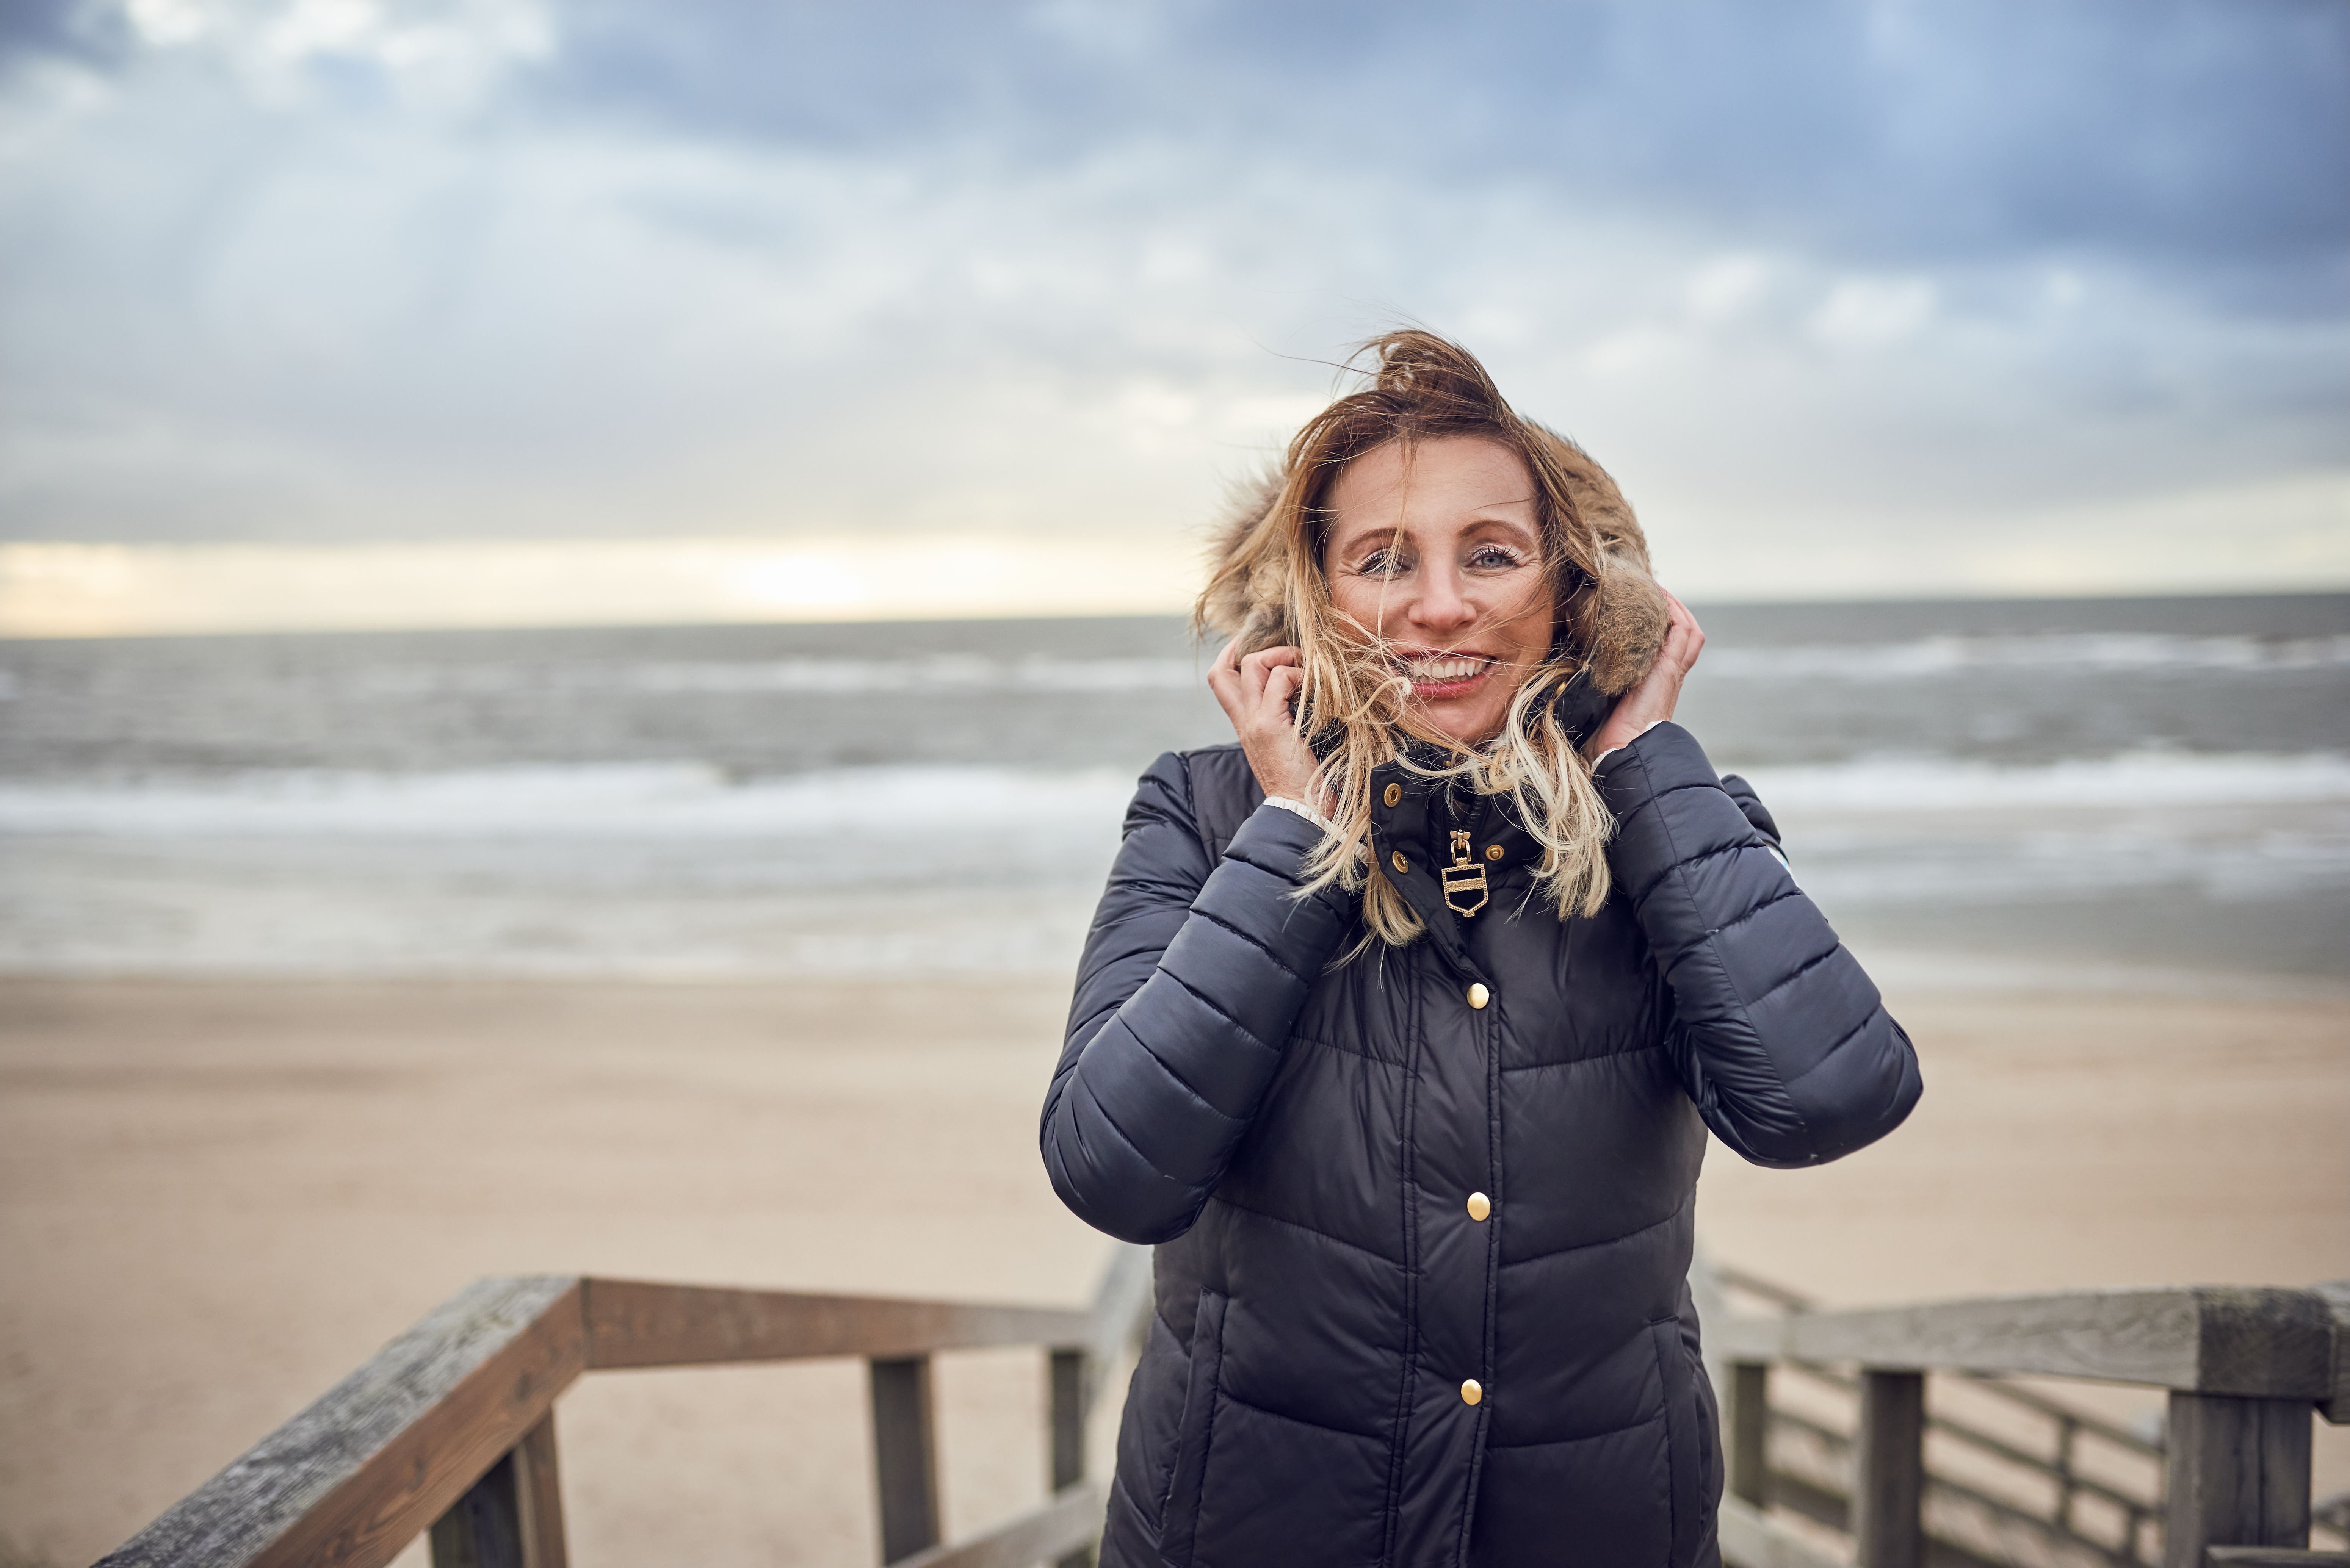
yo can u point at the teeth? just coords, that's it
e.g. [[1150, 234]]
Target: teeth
[[1438, 670]]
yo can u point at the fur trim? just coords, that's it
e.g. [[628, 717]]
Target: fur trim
[[1624, 626]]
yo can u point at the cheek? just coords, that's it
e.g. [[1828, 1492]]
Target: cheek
[[1359, 597]]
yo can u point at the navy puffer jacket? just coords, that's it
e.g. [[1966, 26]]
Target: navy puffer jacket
[[1354, 1360]]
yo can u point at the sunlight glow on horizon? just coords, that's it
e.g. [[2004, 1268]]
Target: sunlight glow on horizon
[[55, 589]]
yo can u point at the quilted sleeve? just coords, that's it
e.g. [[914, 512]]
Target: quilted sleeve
[[1779, 1037], [1192, 975]]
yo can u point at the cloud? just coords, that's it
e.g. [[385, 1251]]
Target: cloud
[[333, 271]]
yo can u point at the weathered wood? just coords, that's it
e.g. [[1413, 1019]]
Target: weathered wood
[[1833, 1508], [2335, 1294], [1888, 1488], [1065, 1377], [483, 1528], [2236, 1474], [1073, 1519], [1751, 1540], [370, 1465], [538, 1487], [1748, 1432], [1121, 1312], [2272, 1557], [633, 1323], [2266, 1344], [905, 1455], [512, 1516]]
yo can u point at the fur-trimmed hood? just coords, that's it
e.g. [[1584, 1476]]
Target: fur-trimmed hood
[[1615, 626]]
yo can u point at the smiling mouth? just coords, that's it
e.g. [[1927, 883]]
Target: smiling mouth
[[1443, 674]]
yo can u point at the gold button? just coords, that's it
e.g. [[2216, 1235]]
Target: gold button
[[1493, 852], [1479, 996], [1471, 1391], [1397, 860], [1394, 796], [1480, 1206]]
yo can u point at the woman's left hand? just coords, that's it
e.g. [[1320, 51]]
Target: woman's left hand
[[1653, 700]]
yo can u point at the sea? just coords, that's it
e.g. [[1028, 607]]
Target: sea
[[2133, 792]]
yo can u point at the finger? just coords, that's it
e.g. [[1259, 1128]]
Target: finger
[[1684, 613]]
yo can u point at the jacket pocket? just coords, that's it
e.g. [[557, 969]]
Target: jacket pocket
[[1683, 1449], [1180, 1519]]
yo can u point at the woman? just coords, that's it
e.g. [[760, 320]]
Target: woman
[[1402, 1022]]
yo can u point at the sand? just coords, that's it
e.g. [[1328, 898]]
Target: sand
[[220, 1197]]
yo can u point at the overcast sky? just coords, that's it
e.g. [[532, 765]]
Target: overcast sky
[[1962, 294]]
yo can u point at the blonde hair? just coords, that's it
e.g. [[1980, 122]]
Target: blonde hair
[[1269, 588]]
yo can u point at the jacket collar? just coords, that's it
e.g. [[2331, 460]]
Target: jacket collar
[[1413, 840]]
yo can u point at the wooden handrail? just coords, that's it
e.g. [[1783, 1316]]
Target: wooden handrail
[[2245, 1370], [393, 1447], [2251, 1343], [637, 1324]]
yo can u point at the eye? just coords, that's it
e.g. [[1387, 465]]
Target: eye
[[1382, 564], [1493, 557]]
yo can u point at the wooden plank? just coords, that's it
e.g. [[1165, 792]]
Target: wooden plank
[[1888, 1493], [2272, 1557], [1071, 1520], [1748, 1432], [2271, 1343], [634, 1323], [905, 1455], [1121, 1314], [1065, 1377], [538, 1488], [482, 1529], [2335, 1294], [512, 1516], [371, 1464], [2236, 1474], [1751, 1540]]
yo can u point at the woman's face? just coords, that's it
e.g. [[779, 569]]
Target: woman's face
[[1438, 554]]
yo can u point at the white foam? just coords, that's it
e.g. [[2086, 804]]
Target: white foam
[[663, 801], [2092, 652], [2133, 779], [691, 800]]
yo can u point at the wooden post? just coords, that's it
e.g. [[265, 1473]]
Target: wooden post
[[1888, 1491], [512, 1516], [482, 1529], [539, 1490], [1750, 1431], [905, 1455], [2236, 1474], [2068, 1432], [1066, 1378]]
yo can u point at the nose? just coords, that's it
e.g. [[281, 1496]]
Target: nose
[[1442, 605]]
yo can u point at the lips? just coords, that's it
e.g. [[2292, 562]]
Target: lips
[[1443, 674]]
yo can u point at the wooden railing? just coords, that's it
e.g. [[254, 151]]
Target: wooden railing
[[451, 1427], [2245, 1370]]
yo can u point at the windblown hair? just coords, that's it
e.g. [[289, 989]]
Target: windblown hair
[[1268, 588]]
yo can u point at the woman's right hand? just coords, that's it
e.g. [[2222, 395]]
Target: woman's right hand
[[1256, 693]]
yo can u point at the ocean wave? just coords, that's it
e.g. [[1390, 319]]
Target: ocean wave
[[2133, 779], [692, 800], [678, 800], [946, 672], [2105, 653]]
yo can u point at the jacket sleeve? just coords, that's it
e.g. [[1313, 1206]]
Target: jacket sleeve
[[1192, 975], [1781, 1039]]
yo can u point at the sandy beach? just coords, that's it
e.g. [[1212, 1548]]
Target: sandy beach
[[220, 1196]]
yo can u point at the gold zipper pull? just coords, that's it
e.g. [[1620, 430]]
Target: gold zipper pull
[[1463, 876]]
